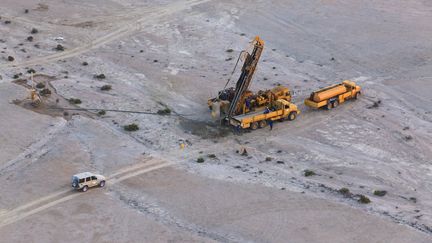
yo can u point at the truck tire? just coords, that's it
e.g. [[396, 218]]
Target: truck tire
[[335, 104], [85, 188], [254, 125], [329, 105], [356, 95], [292, 116], [262, 123]]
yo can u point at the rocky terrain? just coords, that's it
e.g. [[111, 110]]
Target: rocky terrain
[[183, 178]]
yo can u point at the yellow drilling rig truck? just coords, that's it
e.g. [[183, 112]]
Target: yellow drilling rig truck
[[330, 97], [237, 106]]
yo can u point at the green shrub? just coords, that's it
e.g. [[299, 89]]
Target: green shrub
[[131, 127], [101, 113], [165, 111], [99, 76], [230, 50], [344, 191], [75, 101], [60, 48], [212, 156], [200, 160], [363, 199], [40, 85], [309, 173], [380, 193], [268, 159], [106, 87]]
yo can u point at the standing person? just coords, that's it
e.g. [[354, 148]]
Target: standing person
[[270, 122]]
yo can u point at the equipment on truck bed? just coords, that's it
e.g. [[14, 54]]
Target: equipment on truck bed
[[332, 96], [279, 110]]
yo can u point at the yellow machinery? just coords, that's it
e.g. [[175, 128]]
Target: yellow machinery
[[332, 96], [279, 110], [34, 96], [238, 100]]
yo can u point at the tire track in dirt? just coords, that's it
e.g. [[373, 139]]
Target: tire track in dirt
[[38, 205], [127, 29]]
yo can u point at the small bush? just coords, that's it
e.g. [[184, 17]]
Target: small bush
[[408, 137], [99, 76], [34, 31], [11, 58], [85, 63], [268, 159], [74, 101], [413, 199], [65, 113], [230, 50], [380, 193], [280, 162], [344, 191], [363, 199], [200, 160], [106, 87], [40, 85], [101, 113], [30, 38], [212, 156], [16, 76], [60, 48], [131, 127], [7, 22], [309, 173], [165, 111], [26, 11], [31, 70], [45, 92]]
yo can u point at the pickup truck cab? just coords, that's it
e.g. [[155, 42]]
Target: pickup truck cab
[[83, 181]]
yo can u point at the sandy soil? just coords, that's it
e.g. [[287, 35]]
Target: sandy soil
[[158, 54]]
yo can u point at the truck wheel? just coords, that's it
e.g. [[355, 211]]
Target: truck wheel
[[329, 106], [85, 188], [262, 123], [254, 125], [335, 104], [102, 184], [356, 96], [292, 116]]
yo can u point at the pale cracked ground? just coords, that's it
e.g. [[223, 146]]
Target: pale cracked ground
[[173, 53]]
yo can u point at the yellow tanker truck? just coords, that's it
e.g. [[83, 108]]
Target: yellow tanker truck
[[330, 97]]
